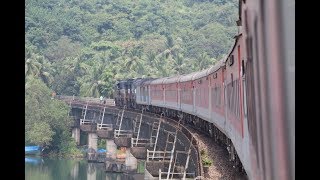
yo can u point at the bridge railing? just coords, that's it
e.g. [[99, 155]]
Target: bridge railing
[[104, 126], [69, 99], [159, 155], [86, 121], [139, 142], [122, 133], [176, 173]]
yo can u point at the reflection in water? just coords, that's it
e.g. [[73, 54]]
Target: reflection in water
[[33, 160], [75, 171], [91, 171], [37, 168]]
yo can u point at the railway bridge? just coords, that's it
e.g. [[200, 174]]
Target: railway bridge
[[168, 148]]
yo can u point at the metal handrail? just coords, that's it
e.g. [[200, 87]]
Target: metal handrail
[[86, 121], [104, 126], [86, 99], [161, 155]]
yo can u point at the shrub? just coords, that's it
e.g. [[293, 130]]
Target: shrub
[[206, 161]]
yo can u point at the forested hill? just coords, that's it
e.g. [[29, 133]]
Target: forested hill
[[80, 47]]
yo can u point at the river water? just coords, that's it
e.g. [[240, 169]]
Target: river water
[[38, 168]]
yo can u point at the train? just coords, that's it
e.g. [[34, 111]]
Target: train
[[246, 101]]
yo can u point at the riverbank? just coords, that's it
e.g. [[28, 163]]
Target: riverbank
[[74, 152], [60, 155]]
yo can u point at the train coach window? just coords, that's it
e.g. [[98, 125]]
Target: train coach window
[[215, 75], [242, 68], [246, 21], [244, 95], [249, 47], [231, 79], [231, 60]]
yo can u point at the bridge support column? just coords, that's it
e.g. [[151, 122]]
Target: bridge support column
[[131, 161], [76, 134], [75, 171], [111, 149], [93, 141], [91, 172]]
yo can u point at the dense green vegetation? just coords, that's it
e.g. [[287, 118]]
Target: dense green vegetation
[[81, 47], [46, 120]]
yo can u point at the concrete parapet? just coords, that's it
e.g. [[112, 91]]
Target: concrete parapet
[[139, 152], [105, 133], [123, 141], [88, 127]]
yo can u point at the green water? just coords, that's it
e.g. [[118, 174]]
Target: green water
[[37, 168]]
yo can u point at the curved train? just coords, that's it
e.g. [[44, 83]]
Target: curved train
[[245, 101]]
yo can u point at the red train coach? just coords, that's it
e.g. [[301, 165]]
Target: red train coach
[[216, 78], [233, 83], [187, 93], [145, 92], [201, 88], [157, 94], [268, 28], [171, 88]]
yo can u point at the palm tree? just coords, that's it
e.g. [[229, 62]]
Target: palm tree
[[92, 82], [37, 66], [151, 58], [32, 67], [179, 64], [205, 61], [135, 64], [75, 66]]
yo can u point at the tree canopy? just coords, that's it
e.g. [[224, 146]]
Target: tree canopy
[[82, 47]]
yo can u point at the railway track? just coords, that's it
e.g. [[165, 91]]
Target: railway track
[[221, 168]]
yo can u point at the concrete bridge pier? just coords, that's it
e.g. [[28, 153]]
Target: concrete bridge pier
[[114, 176], [131, 162], [111, 148], [76, 135], [91, 172], [93, 140], [75, 171]]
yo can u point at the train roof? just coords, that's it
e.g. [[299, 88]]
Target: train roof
[[139, 81], [187, 77], [130, 81], [147, 82], [173, 79], [216, 67], [121, 81], [200, 74], [159, 81]]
